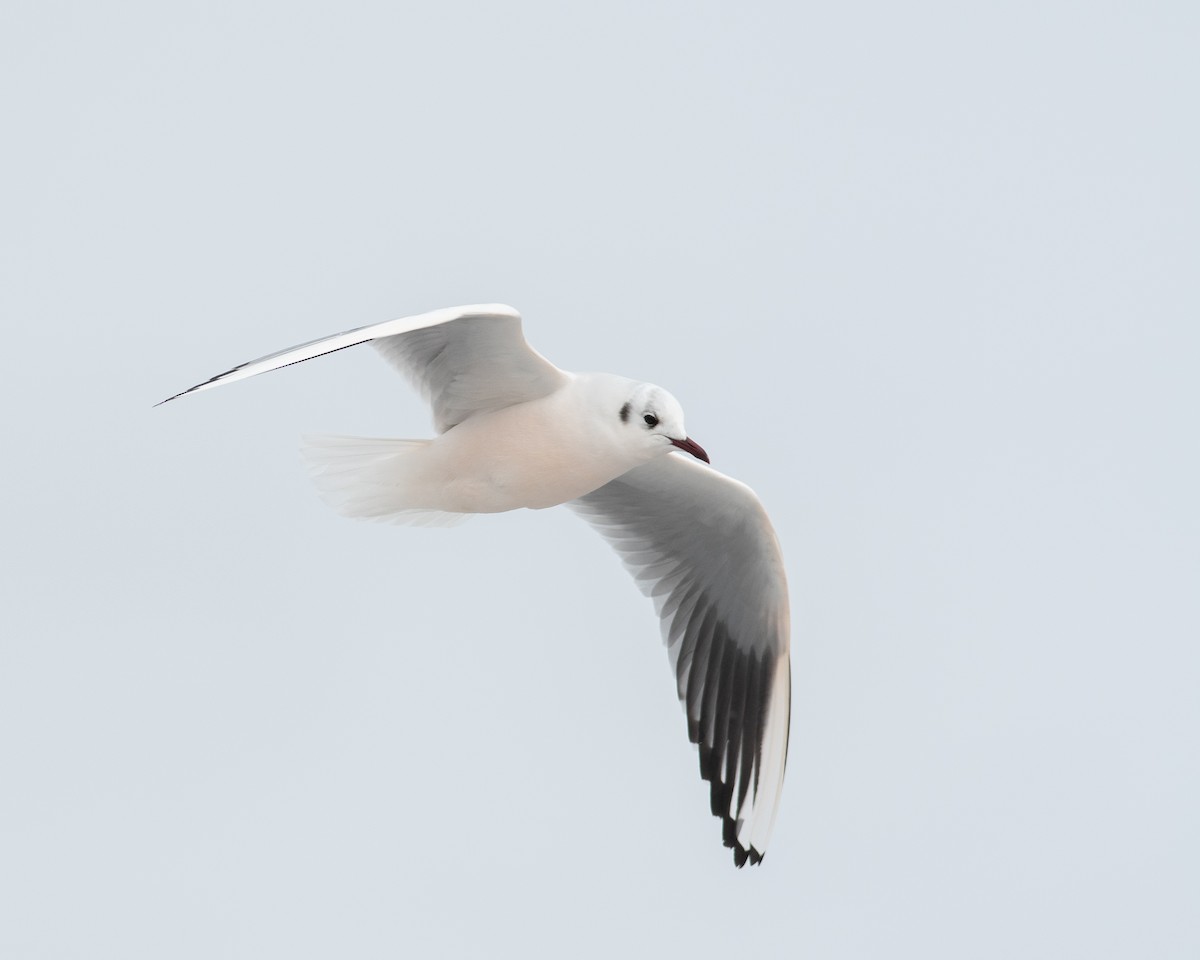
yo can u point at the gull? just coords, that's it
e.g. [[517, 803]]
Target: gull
[[514, 431]]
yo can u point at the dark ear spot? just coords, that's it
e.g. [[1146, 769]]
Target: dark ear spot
[[625, 414]]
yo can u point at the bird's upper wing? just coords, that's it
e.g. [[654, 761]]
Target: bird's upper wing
[[700, 544], [465, 360]]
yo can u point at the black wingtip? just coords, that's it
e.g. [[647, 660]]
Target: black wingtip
[[184, 393], [211, 380], [743, 855]]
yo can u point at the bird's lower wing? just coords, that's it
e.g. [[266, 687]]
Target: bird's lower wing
[[700, 544]]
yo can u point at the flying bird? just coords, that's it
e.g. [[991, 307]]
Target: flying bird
[[513, 431]]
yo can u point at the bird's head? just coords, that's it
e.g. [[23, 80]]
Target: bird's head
[[655, 418]]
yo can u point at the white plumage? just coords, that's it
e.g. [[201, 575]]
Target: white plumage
[[515, 431]]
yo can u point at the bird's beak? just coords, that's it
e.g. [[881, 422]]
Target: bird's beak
[[692, 447]]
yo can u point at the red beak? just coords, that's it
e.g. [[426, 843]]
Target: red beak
[[692, 447]]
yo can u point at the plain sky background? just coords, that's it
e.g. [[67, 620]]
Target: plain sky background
[[923, 274]]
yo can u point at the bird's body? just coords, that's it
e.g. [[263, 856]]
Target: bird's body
[[515, 431], [536, 454]]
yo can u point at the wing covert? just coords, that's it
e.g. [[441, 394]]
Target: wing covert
[[470, 364]]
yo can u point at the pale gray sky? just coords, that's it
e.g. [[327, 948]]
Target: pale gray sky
[[923, 275]]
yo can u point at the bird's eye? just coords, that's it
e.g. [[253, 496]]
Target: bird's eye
[[651, 420]]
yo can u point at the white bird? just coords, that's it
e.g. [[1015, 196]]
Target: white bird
[[515, 431]]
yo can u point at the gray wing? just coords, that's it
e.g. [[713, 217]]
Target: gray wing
[[465, 360], [472, 363], [700, 544]]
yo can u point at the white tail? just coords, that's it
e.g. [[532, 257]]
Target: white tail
[[364, 477]]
